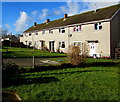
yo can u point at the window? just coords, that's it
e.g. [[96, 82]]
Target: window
[[30, 43], [26, 35], [77, 28], [62, 30], [62, 44], [97, 26], [43, 32], [36, 33], [29, 34], [59, 44], [50, 32]]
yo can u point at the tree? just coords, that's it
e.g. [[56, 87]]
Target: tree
[[4, 32]]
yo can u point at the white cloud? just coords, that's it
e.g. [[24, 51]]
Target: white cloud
[[22, 22], [44, 14], [71, 8], [57, 12], [92, 5], [7, 26], [34, 13]]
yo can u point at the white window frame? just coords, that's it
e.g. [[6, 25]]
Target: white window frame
[[50, 31], [61, 44], [77, 28], [30, 34], [43, 31], [61, 30], [36, 33], [98, 26]]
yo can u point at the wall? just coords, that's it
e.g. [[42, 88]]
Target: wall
[[87, 33], [115, 34]]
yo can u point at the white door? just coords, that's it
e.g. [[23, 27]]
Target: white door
[[92, 49]]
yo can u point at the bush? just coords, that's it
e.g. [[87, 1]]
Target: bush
[[75, 57], [10, 69], [9, 73]]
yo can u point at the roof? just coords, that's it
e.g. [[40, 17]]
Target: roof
[[9, 36], [100, 14]]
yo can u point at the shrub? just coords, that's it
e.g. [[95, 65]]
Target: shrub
[[74, 56], [9, 73], [10, 68], [85, 50]]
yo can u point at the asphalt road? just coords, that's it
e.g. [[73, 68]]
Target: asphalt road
[[25, 62]]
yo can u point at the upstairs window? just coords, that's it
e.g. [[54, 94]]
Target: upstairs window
[[62, 30], [97, 26], [36, 33], [62, 44], [50, 32], [43, 32], [77, 28], [26, 35], [29, 34]]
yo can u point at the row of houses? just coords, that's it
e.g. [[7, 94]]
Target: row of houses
[[99, 30]]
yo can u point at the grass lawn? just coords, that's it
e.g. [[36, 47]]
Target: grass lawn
[[14, 52], [90, 83], [98, 81]]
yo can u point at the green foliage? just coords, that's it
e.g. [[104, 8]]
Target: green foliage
[[74, 84], [9, 71], [10, 68]]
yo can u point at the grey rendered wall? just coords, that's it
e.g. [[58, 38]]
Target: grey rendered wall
[[114, 34]]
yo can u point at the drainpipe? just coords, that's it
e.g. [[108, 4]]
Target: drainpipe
[[69, 35], [33, 51], [68, 39]]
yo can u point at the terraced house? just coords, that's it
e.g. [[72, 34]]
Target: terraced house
[[98, 29]]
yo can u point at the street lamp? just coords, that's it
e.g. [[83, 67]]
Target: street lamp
[[35, 24]]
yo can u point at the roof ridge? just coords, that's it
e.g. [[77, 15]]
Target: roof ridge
[[102, 13]]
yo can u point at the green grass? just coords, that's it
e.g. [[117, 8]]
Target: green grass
[[15, 52], [90, 83], [94, 82]]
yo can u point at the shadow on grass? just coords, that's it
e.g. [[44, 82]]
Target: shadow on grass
[[66, 65], [24, 81], [100, 64]]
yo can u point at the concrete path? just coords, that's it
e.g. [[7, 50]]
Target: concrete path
[[25, 62]]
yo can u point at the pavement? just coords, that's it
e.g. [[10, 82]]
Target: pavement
[[25, 62]]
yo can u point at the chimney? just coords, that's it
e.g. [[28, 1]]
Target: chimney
[[35, 24], [65, 16], [47, 20], [95, 8]]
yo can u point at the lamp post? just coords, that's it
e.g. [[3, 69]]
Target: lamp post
[[33, 51], [35, 24]]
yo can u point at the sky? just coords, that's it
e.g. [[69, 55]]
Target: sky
[[19, 15]]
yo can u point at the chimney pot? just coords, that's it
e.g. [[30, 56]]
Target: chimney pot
[[35, 24], [47, 20], [65, 16]]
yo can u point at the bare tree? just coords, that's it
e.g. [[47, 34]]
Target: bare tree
[[4, 32]]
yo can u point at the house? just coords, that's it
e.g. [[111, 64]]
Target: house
[[99, 30], [11, 38]]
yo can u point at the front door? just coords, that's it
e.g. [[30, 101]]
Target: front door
[[51, 45], [92, 49]]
